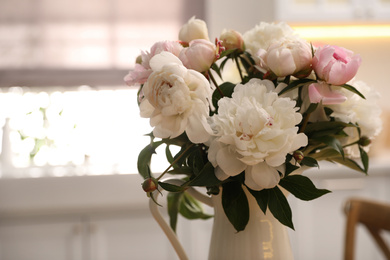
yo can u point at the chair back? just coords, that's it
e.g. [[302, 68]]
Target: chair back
[[374, 215]]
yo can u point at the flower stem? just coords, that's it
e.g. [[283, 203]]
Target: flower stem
[[215, 83], [350, 144], [238, 67], [304, 124], [175, 161]]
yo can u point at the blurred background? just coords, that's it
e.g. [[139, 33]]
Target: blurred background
[[71, 132]]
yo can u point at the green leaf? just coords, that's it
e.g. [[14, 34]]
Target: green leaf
[[325, 154], [191, 208], [295, 84], [215, 67], [322, 128], [173, 200], [195, 160], [348, 162], [333, 143], [235, 204], [353, 89], [206, 177], [227, 52], [309, 161], [184, 153], [261, 198], [290, 168], [364, 158], [171, 187], [302, 187], [279, 207], [169, 155], [145, 157], [227, 89]]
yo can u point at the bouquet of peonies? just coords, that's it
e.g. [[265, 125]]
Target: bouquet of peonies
[[250, 112]]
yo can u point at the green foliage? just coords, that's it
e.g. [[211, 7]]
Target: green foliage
[[184, 204], [302, 187], [226, 90], [274, 200], [295, 84], [235, 204]]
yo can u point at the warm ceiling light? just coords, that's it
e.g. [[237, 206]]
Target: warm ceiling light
[[343, 31]]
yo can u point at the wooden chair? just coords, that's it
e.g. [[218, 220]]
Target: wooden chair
[[375, 216]]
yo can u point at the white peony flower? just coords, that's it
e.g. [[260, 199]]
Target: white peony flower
[[364, 112], [176, 99], [275, 41], [263, 35], [253, 132]]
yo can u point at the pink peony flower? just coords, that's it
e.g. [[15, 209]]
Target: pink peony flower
[[143, 70], [199, 56], [335, 65]]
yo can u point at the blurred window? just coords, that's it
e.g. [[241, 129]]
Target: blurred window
[[64, 108]]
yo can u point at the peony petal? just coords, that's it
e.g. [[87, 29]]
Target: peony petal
[[160, 60], [229, 163], [198, 131], [299, 141], [220, 174], [146, 109], [261, 175], [281, 62], [322, 92]]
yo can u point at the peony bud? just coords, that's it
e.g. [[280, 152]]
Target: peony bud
[[232, 40], [150, 185], [335, 65], [298, 156], [364, 141], [194, 29], [288, 58], [199, 56]]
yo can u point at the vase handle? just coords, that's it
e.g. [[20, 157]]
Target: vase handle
[[171, 235]]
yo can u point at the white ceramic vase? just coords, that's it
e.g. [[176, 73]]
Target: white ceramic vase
[[263, 238]]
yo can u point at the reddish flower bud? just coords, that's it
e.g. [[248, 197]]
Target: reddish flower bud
[[150, 185], [298, 156]]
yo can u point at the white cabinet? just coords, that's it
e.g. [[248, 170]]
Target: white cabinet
[[107, 218], [119, 236], [333, 11], [40, 240], [88, 218]]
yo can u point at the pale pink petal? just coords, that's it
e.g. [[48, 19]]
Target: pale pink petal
[[322, 92], [321, 59], [314, 94], [138, 75]]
